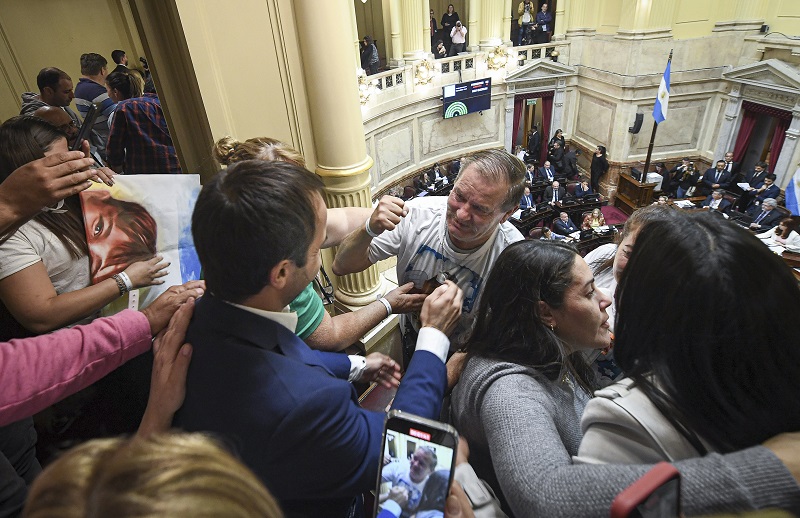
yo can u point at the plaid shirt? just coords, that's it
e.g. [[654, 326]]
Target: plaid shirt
[[139, 138]]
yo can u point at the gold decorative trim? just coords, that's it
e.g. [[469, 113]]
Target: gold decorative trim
[[340, 172]]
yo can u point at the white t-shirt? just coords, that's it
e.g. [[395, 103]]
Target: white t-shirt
[[397, 474], [424, 250], [32, 243], [604, 280]]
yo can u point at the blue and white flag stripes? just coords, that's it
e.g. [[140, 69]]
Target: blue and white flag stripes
[[793, 193], [662, 99]]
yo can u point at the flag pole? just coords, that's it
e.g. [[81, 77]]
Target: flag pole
[[652, 138]]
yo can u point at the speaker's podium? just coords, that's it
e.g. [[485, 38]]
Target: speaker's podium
[[632, 194]]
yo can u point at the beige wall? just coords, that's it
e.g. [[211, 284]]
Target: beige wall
[[784, 16], [48, 34], [248, 66]]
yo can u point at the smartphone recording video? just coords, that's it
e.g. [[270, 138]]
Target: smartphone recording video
[[417, 467]]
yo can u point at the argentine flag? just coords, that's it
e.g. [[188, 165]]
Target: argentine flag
[[662, 99], [793, 194]]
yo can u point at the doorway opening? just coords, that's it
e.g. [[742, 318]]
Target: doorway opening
[[533, 109], [761, 135]]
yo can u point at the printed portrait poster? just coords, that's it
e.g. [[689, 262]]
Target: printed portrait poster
[[138, 217]]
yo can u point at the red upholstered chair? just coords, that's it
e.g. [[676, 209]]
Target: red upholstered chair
[[536, 232], [571, 188]]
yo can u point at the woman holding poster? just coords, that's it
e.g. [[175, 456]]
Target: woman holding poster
[[45, 280]]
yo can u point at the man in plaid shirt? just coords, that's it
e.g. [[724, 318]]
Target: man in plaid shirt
[[139, 142]]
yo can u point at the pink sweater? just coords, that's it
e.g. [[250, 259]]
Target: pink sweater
[[36, 372]]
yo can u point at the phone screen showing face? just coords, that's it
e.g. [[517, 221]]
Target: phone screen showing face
[[417, 468], [664, 502]]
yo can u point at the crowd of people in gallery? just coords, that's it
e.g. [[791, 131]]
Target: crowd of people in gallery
[[567, 376]]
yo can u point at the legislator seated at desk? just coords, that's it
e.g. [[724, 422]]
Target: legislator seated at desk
[[784, 235], [547, 171], [715, 201], [527, 200], [583, 189], [563, 225], [593, 220], [554, 193], [756, 195], [766, 216]]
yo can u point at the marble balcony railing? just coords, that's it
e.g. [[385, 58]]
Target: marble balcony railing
[[386, 90]]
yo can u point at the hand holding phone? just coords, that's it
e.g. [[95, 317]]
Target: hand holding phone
[[420, 472], [86, 128]]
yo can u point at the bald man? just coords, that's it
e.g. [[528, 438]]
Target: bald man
[[60, 119]]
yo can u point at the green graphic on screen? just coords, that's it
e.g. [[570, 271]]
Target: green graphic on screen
[[456, 109]]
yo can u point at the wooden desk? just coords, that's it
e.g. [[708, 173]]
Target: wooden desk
[[587, 245], [524, 225], [575, 209], [632, 195], [792, 260]]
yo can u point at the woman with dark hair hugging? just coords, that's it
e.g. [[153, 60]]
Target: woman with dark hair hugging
[[526, 382], [44, 266], [713, 378]]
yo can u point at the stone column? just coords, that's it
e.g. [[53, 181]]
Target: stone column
[[341, 152], [646, 20], [395, 21], [581, 18], [558, 106], [747, 16], [491, 22], [506, 29], [783, 168], [560, 17], [473, 27], [426, 29], [726, 131], [356, 37], [415, 19]]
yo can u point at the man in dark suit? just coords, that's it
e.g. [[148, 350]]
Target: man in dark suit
[[731, 166], [563, 225], [755, 179], [768, 190], [715, 201], [571, 163], [716, 178], [527, 200], [121, 59], [287, 410], [554, 193], [530, 174], [435, 174], [534, 143], [547, 171], [764, 217]]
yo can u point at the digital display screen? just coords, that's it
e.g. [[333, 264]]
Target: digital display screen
[[463, 98], [415, 475]]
